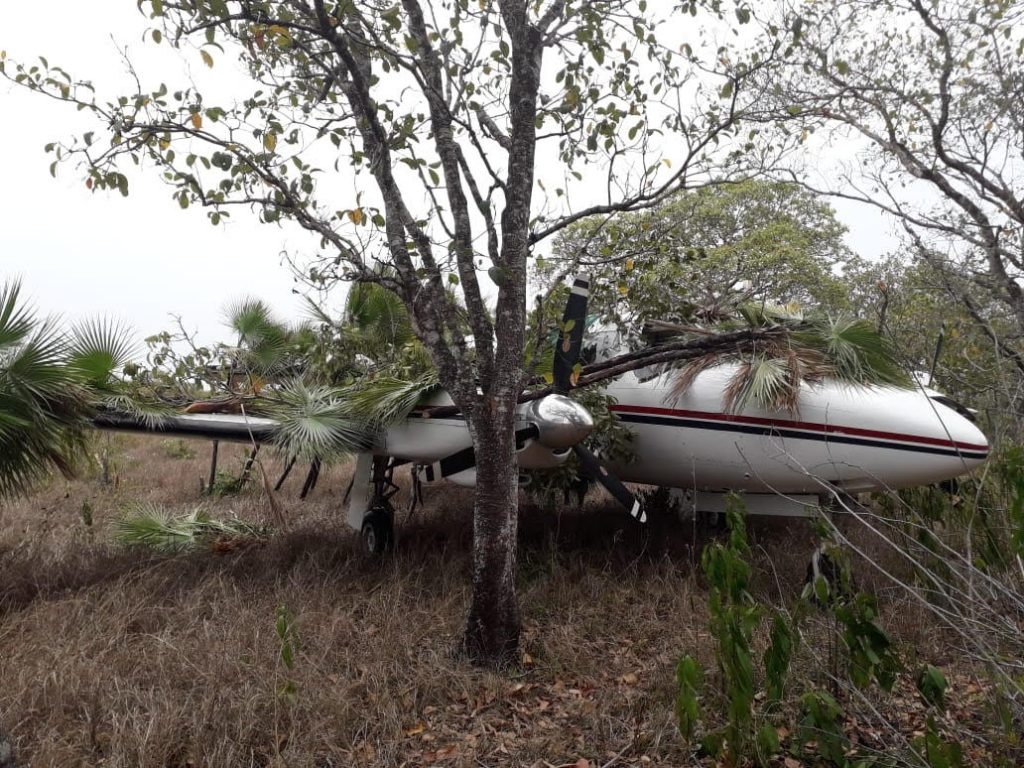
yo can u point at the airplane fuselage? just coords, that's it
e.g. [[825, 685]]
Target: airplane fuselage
[[856, 438]]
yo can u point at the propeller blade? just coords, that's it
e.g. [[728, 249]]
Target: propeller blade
[[465, 459], [567, 347], [611, 483]]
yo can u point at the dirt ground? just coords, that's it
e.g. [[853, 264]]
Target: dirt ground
[[118, 657]]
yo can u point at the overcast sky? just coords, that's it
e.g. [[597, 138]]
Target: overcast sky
[[139, 258], [142, 258]]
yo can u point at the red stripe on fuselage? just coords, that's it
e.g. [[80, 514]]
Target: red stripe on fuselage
[[807, 426]]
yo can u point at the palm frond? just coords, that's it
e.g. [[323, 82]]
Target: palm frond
[[385, 400], [99, 348], [150, 412], [263, 342], [771, 369], [16, 322], [758, 314], [379, 314], [856, 351], [151, 526], [267, 354], [250, 318], [688, 373], [768, 381], [43, 405], [36, 367], [316, 313], [316, 422], [38, 435]]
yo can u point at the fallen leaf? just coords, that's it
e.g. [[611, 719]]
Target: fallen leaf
[[416, 730], [789, 762], [445, 752], [629, 678]]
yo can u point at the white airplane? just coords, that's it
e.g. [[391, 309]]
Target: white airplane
[[840, 438]]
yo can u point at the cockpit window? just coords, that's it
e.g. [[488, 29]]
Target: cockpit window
[[949, 402]]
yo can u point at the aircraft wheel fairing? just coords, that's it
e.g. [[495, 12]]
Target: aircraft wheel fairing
[[378, 531]]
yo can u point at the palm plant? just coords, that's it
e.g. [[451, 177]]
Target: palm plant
[[44, 401], [378, 316], [51, 385], [264, 346], [97, 351]]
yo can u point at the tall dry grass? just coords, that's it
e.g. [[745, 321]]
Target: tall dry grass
[[116, 657]]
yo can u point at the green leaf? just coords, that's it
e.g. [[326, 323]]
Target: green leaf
[[98, 349], [767, 741], [392, 17], [498, 275], [931, 684], [689, 681], [777, 657]]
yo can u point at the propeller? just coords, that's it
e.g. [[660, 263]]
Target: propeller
[[611, 483], [567, 355], [556, 421], [570, 334]]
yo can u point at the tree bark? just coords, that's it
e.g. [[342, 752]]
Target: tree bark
[[492, 629]]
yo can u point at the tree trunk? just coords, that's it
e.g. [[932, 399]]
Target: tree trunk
[[492, 630]]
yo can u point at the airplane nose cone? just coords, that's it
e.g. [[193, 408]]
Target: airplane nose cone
[[956, 447], [561, 422], [968, 439]]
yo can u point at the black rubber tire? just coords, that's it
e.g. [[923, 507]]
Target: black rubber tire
[[378, 533]]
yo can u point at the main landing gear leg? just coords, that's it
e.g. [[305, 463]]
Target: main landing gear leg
[[378, 528]]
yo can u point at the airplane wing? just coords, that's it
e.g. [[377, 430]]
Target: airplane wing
[[230, 427]]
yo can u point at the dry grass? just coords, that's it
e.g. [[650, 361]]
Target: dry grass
[[118, 658]]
